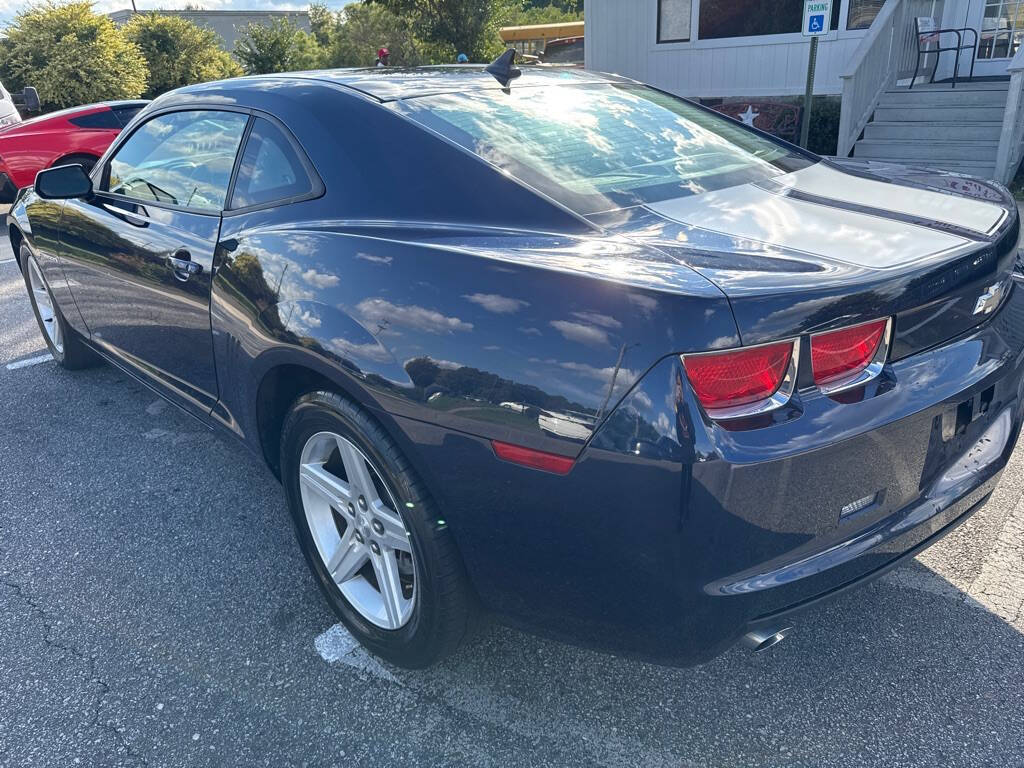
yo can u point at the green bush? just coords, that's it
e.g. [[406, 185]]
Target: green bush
[[178, 52], [71, 55], [458, 26], [544, 14], [277, 47], [565, 6], [416, 32], [823, 135], [321, 24], [362, 28]]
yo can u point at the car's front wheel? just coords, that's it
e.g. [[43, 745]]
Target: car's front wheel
[[64, 344], [381, 553]]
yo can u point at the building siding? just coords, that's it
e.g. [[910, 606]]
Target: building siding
[[622, 39]]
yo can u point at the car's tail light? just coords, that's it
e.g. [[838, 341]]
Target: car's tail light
[[742, 382], [841, 359]]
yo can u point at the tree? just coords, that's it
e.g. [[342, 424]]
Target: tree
[[462, 26], [71, 55], [362, 28], [178, 52], [277, 47], [545, 14], [322, 23], [566, 6]]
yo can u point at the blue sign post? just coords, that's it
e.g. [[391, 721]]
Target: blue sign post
[[816, 23]]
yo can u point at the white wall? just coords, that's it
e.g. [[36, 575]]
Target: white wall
[[229, 25], [622, 38]]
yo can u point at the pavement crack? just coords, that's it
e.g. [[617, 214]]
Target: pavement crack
[[997, 582], [121, 744]]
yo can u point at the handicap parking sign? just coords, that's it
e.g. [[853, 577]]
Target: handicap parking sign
[[817, 17]]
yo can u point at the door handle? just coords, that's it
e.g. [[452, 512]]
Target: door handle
[[182, 266], [132, 217]]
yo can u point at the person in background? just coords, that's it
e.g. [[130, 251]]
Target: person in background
[[382, 57], [462, 59]]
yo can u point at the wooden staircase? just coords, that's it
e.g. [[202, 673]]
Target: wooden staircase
[[975, 128], [935, 125]]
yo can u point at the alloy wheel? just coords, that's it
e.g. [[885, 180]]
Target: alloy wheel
[[358, 530], [45, 305]]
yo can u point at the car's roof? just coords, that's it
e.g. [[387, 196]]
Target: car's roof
[[391, 83], [86, 108]]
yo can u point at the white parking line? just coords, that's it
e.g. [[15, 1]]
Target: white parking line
[[6, 261], [30, 361], [338, 645]]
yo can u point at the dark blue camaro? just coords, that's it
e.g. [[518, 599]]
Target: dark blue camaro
[[574, 352]]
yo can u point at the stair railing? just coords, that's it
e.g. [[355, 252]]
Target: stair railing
[[884, 52], [1011, 138]]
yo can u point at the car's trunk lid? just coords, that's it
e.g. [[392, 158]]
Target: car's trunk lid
[[820, 248]]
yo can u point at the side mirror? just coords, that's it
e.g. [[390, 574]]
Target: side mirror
[[28, 99], [63, 183]]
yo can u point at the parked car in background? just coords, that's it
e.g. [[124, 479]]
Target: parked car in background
[[27, 99], [9, 114], [594, 358], [566, 50], [76, 135]]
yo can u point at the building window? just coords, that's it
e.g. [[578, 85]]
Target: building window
[[1001, 29], [745, 18], [862, 13], [674, 21]]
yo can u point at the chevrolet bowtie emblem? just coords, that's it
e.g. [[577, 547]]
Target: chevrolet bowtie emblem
[[989, 300]]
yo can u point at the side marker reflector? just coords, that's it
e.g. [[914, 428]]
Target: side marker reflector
[[527, 457]]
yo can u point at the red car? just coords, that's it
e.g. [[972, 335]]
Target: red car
[[76, 135]]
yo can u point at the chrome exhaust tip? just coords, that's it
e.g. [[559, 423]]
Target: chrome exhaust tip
[[762, 639]]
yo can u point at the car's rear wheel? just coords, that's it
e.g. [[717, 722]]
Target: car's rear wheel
[[382, 555], [66, 346]]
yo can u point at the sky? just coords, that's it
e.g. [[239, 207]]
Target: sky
[[10, 8]]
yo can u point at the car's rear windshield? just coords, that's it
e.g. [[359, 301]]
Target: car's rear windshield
[[601, 147]]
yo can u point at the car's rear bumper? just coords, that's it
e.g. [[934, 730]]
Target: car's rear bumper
[[671, 535], [955, 515]]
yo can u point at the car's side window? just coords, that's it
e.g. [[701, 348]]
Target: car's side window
[[125, 114], [180, 158], [271, 168], [105, 120]]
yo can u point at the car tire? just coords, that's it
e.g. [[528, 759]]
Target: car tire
[[88, 162], [442, 603], [64, 343]]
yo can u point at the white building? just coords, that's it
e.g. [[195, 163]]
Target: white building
[[712, 49], [229, 25], [725, 48]]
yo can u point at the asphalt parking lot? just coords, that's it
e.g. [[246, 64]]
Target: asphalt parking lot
[[155, 610]]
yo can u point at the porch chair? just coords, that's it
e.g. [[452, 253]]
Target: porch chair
[[927, 33]]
